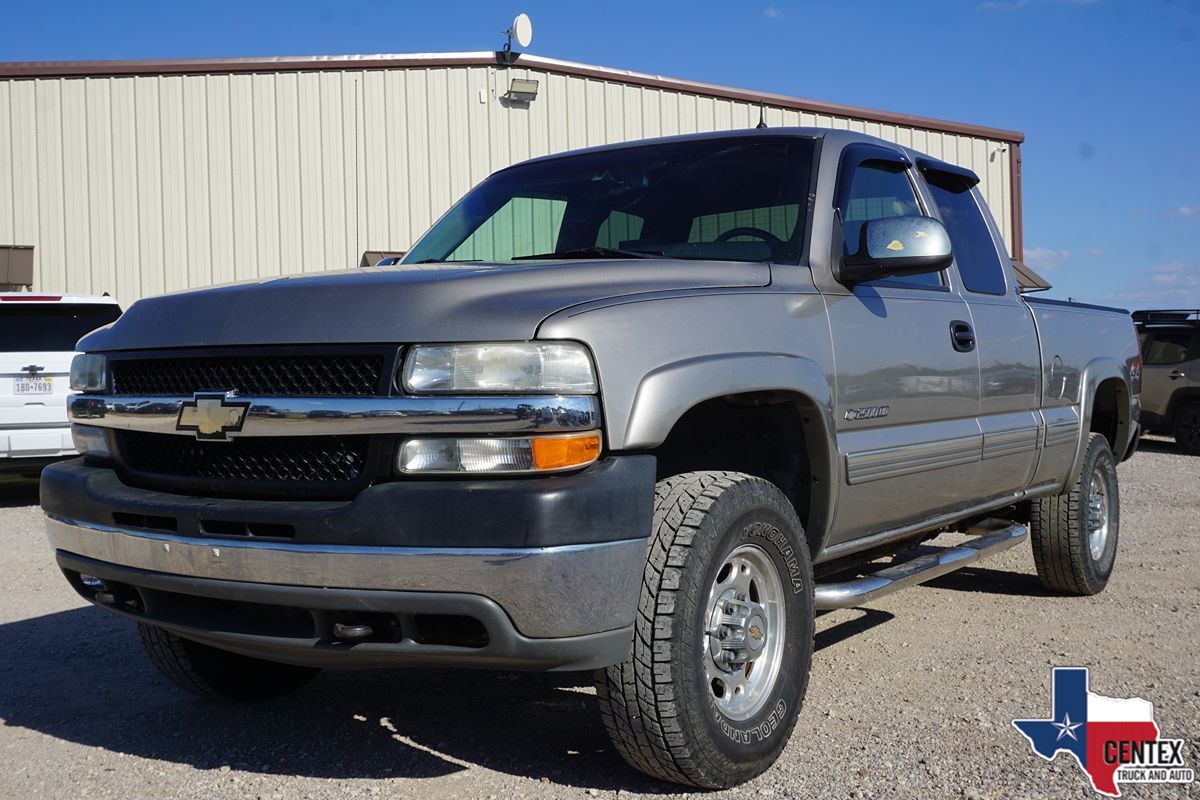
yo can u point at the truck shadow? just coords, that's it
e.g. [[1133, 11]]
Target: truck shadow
[[80, 676], [867, 619], [16, 492], [1149, 445], [983, 580]]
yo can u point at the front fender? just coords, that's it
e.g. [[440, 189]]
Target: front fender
[[665, 394]]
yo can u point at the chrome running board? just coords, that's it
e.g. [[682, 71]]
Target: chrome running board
[[992, 536]]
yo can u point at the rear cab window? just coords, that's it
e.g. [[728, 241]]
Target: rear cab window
[[34, 327], [975, 252]]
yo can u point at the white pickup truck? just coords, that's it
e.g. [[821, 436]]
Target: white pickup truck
[[38, 333]]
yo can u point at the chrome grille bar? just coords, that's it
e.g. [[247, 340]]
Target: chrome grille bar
[[323, 416]]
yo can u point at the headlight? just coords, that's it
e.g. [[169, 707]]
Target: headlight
[[546, 367], [533, 454], [87, 373]]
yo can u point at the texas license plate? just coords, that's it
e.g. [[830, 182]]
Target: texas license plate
[[35, 385]]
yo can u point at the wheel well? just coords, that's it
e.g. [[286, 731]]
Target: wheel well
[[1179, 399], [777, 436], [1110, 411]]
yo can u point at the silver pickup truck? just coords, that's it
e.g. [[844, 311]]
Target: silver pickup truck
[[644, 409]]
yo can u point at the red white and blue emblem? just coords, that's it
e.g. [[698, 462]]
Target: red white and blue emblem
[[1114, 739]]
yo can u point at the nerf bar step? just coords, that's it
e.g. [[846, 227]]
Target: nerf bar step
[[992, 536]]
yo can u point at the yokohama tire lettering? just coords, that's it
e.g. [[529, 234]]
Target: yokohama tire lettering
[[776, 537]]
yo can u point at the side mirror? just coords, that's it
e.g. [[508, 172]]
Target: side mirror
[[897, 246]]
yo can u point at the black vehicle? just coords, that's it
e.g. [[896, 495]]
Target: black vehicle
[[1170, 340]]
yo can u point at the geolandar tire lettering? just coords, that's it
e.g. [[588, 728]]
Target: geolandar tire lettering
[[723, 639]]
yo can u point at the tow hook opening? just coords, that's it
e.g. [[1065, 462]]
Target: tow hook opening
[[107, 593], [450, 629], [446, 630]]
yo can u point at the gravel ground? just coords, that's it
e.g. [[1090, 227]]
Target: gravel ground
[[910, 698]]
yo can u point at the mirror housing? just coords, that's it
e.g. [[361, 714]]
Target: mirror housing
[[892, 246]]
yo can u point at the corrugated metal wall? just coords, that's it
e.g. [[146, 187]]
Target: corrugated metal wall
[[142, 185]]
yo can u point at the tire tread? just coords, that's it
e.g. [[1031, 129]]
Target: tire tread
[[166, 651], [1059, 552]]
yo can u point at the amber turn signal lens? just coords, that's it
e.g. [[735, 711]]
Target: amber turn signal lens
[[560, 452]]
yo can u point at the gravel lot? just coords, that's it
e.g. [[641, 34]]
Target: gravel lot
[[909, 698]]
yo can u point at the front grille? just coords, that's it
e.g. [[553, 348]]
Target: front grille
[[302, 375], [250, 466]]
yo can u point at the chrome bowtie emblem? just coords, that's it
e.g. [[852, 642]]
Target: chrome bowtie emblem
[[212, 415]]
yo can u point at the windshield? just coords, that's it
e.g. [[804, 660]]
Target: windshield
[[725, 199], [50, 327]]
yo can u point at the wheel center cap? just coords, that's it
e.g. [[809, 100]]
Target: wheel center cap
[[737, 631], [756, 627], [1097, 513]]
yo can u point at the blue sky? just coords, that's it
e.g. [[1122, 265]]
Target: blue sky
[[1106, 91]]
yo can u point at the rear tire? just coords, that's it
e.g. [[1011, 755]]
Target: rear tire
[[1074, 534], [723, 637], [1187, 429], [218, 674]]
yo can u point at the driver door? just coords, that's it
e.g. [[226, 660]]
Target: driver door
[[906, 390]]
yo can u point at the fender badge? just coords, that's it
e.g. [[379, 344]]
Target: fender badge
[[871, 412]]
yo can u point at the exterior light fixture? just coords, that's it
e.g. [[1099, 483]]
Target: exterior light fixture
[[522, 90]]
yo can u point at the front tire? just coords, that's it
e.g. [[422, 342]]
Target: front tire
[[723, 638], [1074, 534], [218, 674], [1187, 429]]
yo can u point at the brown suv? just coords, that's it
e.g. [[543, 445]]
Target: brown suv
[[1171, 380]]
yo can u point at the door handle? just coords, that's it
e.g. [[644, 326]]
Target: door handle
[[962, 336], [1176, 375]]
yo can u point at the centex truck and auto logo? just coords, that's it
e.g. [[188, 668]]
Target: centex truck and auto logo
[[1114, 740]]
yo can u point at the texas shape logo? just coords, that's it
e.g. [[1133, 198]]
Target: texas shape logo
[[1113, 739]]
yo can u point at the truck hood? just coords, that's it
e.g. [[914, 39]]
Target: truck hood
[[408, 303]]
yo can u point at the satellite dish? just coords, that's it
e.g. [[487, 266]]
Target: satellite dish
[[522, 30]]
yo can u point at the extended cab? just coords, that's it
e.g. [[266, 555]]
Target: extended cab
[[644, 408]]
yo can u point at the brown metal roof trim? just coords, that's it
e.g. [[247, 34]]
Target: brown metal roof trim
[[192, 66], [1027, 279], [1014, 174], [770, 99]]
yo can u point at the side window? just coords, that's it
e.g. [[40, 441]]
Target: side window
[[619, 228], [523, 226], [1166, 347], [975, 251], [878, 190]]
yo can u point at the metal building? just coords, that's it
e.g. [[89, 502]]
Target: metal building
[[142, 177]]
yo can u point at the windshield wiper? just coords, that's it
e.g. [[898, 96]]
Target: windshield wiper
[[589, 252]]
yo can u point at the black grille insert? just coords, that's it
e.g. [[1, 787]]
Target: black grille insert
[[300, 375], [254, 463]]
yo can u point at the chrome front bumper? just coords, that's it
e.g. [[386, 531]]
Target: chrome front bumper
[[547, 592]]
